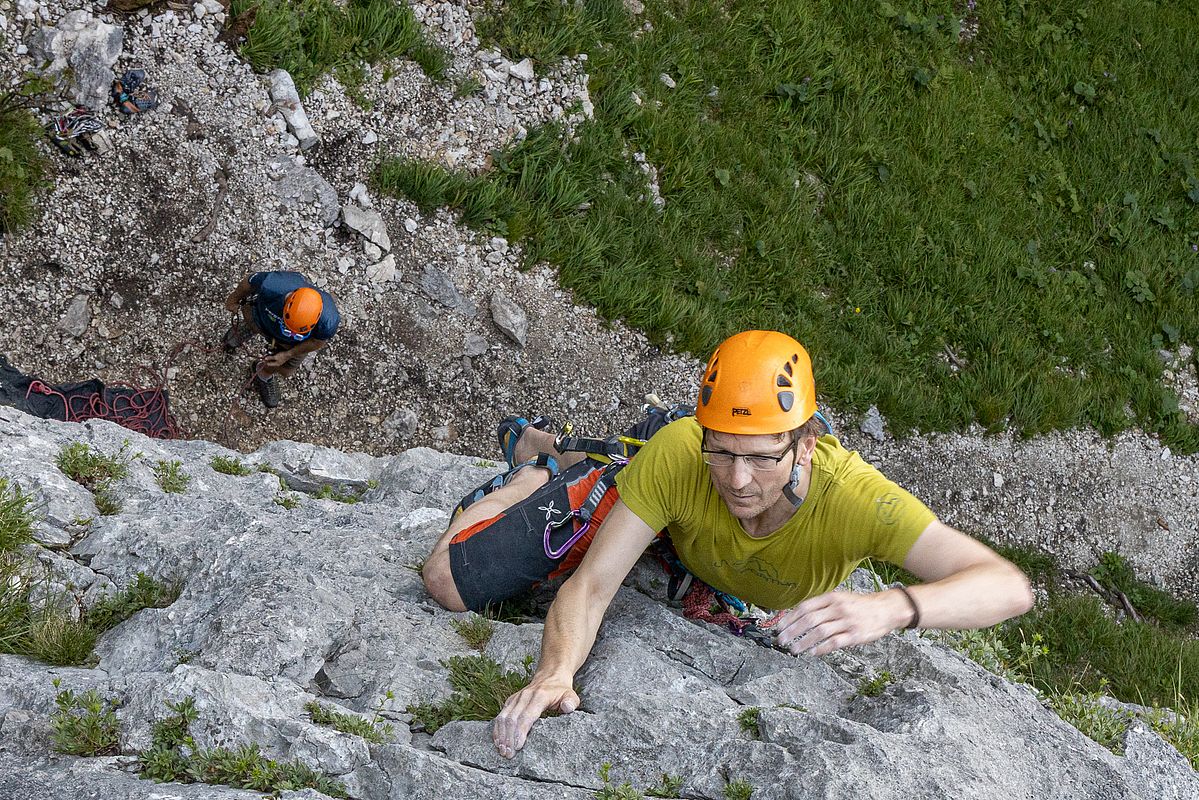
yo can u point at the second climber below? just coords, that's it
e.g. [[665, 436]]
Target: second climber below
[[294, 316]]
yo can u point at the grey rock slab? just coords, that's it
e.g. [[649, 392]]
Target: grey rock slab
[[872, 424], [70, 778], [368, 223], [83, 49], [1155, 768], [439, 286], [510, 318], [382, 272], [77, 317], [300, 185], [308, 467], [285, 97]]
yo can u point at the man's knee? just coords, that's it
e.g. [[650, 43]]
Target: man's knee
[[439, 580]]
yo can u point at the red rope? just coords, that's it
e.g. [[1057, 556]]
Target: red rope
[[701, 603], [138, 407]]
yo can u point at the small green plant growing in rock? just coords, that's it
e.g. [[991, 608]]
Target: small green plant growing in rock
[[475, 630], [173, 756], [670, 786], [16, 521], [329, 492], [480, 687], [267, 468], [624, 791], [144, 592], [468, 86], [171, 477], [373, 730], [84, 724], [91, 468], [96, 471], [288, 500], [1098, 723], [738, 790], [1180, 728], [749, 719], [230, 466], [873, 687]]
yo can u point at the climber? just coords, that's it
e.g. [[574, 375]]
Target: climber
[[756, 502], [295, 317]]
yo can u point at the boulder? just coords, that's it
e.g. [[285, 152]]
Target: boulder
[[82, 49], [287, 100]]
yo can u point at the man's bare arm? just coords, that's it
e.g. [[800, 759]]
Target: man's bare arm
[[968, 586], [571, 627], [239, 293]]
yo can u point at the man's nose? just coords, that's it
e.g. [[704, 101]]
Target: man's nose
[[740, 473]]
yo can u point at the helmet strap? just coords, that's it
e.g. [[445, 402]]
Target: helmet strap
[[789, 489]]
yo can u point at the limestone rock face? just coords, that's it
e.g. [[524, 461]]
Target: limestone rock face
[[322, 601], [84, 49]]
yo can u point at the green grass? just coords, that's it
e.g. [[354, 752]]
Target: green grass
[[23, 168], [475, 630], [144, 592], [1088, 651], [610, 791], [873, 687], [738, 790], [84, 724], [16, 520], [1098, 723], [92, 468], [373, 730], [230, 466], [171, 477], [1002, 231], [749, 720], [480, 687], [1114, 571], [329, 492], [310, 38], [1180, 729], [173, 756], [288, 500]]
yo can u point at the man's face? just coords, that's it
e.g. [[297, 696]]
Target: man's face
[[750, 492]]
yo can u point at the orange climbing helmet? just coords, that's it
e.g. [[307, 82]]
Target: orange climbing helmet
[[757, 382], [302, 310]]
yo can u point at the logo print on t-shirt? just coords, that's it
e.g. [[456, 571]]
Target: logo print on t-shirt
[[888, 508], [757, 566]]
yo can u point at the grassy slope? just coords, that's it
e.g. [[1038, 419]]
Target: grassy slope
[[1002, 230]]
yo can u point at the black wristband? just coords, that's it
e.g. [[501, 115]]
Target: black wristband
[[915, 608]]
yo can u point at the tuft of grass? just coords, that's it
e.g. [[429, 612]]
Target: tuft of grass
[[288, 500], [310, 38], [670, 786], [480, 687], [91, 468], [144, 592], [373, 730], [749, 719], [873, 687], [1088, 651], [23, 168], [84, 724], [1098, 723], [797, 159], [475, 630], [16, 519], [106, 502], [173, 756], [738, 790], [624, 791], [329, 492], [171, 477], [468, 86], [1180, 729], [230, 466], [55, 637]]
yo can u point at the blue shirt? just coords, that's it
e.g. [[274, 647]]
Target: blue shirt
[[272, 289]]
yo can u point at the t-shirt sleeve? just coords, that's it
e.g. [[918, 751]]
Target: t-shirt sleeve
[[887, 518], [645, 484], [255, 280], [330, 319]]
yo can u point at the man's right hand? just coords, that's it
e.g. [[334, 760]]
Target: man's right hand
[[522, 709], [232, 305]]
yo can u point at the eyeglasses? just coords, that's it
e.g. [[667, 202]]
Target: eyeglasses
[[756, 461]]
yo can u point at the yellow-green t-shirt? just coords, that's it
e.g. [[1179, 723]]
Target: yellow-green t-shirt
[[851, 512]]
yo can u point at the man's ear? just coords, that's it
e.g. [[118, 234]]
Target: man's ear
[[804, 447]]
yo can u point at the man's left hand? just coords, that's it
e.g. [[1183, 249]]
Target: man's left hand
[[835, 620], [276, 360]]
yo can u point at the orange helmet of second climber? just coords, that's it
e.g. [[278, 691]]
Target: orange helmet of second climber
[[302, 310], [757, 382]]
